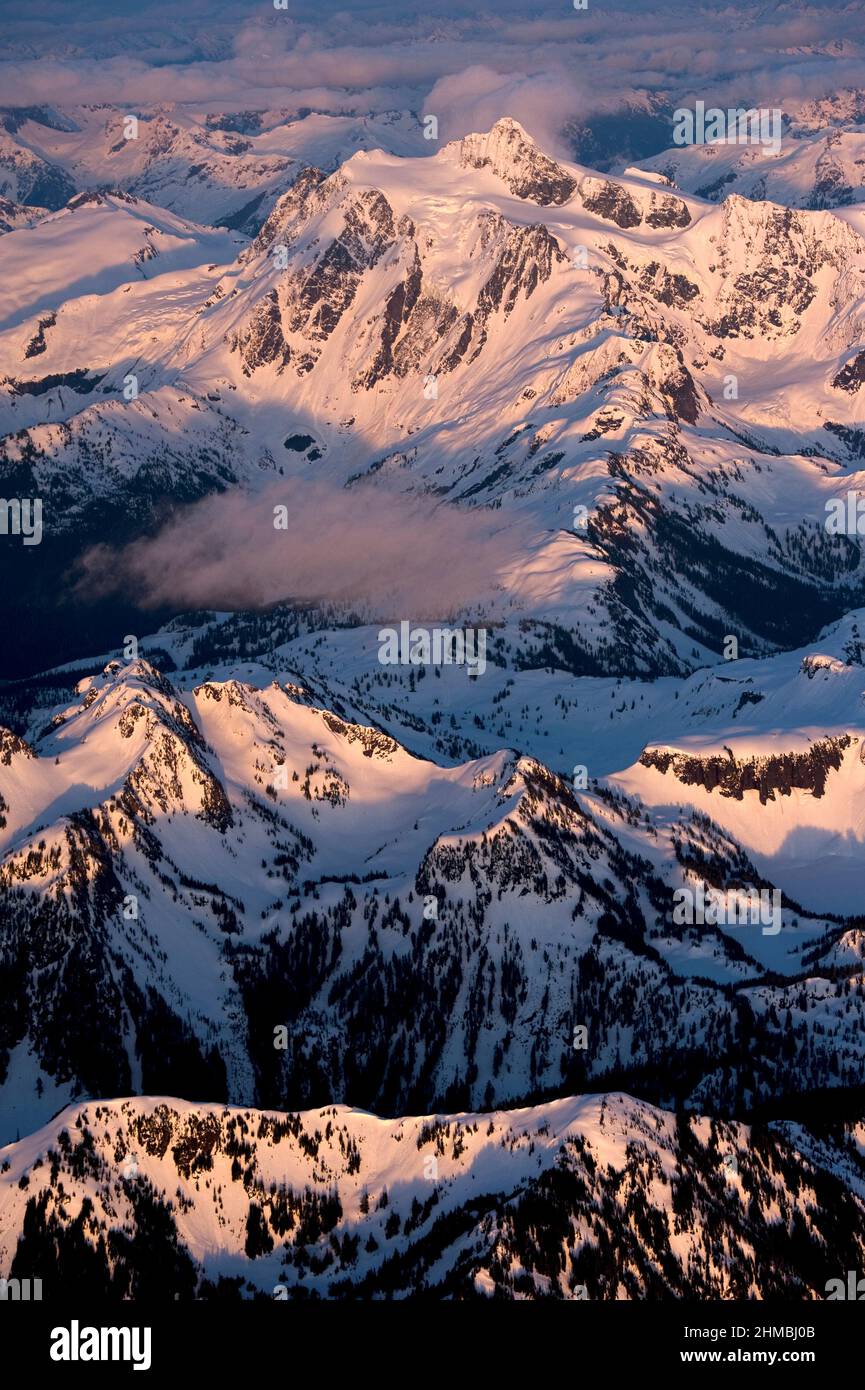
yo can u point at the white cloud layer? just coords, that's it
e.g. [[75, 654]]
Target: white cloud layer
[[539, 60]]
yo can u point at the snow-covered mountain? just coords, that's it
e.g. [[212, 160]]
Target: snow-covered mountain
[[586, 1198], [207, 862], [659, 395], [223, 168], [819, 163], [252, 866]]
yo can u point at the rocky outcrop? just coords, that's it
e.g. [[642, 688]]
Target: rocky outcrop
[[529, 173], [262, 341], [775, 775], [851, 375], [610, 201]]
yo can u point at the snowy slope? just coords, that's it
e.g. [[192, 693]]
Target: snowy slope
[[589, 1198], [602, 723], [95, 244]]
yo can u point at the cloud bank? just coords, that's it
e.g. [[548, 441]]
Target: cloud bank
[[545, 63], [381, 554]]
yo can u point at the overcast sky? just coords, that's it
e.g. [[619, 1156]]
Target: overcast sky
[[539, 60]]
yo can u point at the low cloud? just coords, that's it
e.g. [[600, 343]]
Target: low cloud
[[475, 98], [379, 553], [545, 63]]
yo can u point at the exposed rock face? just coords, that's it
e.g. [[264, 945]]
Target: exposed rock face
[[610, 201], [418, 329], [831, 188], [37, 343], [524, 258], [784, 252], [717, 189], [681, 396], [397, 315], [851, 375], [97, 198], [667, 211], [12, 746], [527, 171], [672, 289], [310, 301], [310, 191], [262, 341], [82, 382], [781, 774], [318, 299]]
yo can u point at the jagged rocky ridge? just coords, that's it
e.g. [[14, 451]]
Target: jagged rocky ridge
[[252, 883]]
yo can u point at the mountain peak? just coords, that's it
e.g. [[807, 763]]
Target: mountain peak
[[100, 197], [513, 156], [507, 127]]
